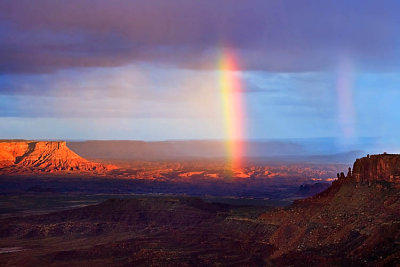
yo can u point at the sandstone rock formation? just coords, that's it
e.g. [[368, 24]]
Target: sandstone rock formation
[[47, 156], [383, 167]]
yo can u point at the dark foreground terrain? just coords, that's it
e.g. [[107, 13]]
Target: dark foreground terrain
[[144, 231], [277, 189], [350, 224]]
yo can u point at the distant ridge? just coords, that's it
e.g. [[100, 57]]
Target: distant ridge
[[269, 150]]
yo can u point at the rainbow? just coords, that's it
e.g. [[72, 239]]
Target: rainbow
[[231, 89]]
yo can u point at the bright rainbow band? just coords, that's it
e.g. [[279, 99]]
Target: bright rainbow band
[[231, 87]]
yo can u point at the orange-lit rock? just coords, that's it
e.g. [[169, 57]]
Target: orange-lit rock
[[45, 156], [383, 167], [10, 152], [240, 173], [190, 174]]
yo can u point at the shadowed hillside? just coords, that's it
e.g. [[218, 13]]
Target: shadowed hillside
[[354, 222]]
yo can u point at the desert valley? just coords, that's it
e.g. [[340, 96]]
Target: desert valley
[[195, 176], [71, 211]]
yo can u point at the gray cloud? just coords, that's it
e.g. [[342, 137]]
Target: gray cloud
[[46, 35]]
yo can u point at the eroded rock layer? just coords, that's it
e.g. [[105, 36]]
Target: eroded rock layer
[[384, 167], [46, 156]]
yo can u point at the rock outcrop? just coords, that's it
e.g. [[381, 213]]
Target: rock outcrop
[[46, 156], [383, 167]]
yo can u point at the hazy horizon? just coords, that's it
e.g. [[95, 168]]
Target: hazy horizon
[[281, 146]]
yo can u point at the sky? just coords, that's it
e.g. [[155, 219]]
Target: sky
[[148, 69]]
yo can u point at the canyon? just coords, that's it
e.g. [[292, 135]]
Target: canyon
[[44, 165], [355, 222], [55, 157]]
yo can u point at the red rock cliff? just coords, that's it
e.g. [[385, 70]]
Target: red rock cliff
[[383, 167], [44, 156]]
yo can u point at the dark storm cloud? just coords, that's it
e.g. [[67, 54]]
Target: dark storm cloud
[[46, 35]]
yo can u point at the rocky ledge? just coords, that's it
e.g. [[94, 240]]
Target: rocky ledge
[[373, 168], [383, 167]]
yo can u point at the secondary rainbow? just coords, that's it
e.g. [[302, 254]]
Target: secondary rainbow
[[231, 87], [345, 100]]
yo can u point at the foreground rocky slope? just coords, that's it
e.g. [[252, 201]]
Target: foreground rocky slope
[[355, 225], [44, 156], [354, 222]]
